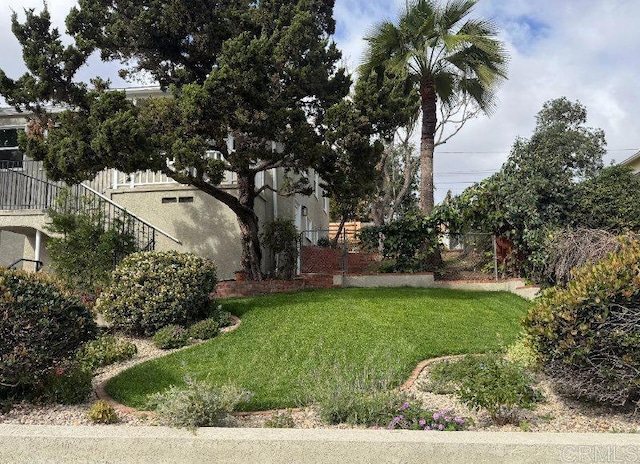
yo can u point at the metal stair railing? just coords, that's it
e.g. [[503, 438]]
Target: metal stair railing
[[24, 186]]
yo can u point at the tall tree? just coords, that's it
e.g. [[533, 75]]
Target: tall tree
[[263, 72], [450, 57], [349, 166], [539, 186]]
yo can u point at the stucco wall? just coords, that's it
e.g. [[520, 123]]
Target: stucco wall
[[11, 247], [204, 226]]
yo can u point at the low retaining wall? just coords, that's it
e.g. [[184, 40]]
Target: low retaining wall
[[25, 443], [426, 280], [422, 280], [234, 288]]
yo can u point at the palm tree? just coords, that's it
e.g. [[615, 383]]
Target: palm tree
[[448, 57]]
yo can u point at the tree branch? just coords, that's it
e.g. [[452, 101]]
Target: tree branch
[[463, 108]]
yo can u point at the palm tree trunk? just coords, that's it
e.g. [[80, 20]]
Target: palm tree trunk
[[429, 119]]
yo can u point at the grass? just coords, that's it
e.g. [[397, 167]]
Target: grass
[[288, 343]]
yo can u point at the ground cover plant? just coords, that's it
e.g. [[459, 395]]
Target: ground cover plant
[[487, 382], [288, 342]]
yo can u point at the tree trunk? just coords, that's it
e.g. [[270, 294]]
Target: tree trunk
[[343, 220], [428, 99], [242, 206], [248, 221]]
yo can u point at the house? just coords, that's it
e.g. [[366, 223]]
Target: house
[[633, 162], [167, 215]]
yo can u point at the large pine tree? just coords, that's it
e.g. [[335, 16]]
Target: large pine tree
[[261, 71]]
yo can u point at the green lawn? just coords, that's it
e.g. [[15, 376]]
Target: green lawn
[[289, 342]]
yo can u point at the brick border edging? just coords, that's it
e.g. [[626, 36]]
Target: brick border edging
[[408, 384], [102, 394]]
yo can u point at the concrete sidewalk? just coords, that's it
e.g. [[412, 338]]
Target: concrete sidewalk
[[106, 444]]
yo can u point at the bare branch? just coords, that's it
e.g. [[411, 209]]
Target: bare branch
[[455, 117]]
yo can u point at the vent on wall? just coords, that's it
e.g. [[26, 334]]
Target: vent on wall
[[177, 200]]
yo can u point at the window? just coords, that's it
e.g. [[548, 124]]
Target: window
[[10, 156], [185, 199]]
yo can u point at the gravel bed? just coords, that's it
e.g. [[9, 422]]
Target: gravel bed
[[556, 414]]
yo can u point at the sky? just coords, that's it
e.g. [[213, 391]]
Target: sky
[[585, 50]]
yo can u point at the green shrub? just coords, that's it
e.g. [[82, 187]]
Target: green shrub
[[84, 249], [102, 412], [222, 317], [171, 336], [105, 350], [588, 333], [492, 383], [151, 290], [205, 329], [198, 404], [357, 407], [281, 420], [69, 383], [40, 328], [281, 237], [410, 243]]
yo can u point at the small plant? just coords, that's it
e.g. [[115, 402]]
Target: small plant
[[102, 412], [325, 242], [222, 317], [492, 383], [205, 329], [69, 383], [171, 336], [413, 417], [281, 420], [445, 376], [198, 404], [105, 350], [357, 398]]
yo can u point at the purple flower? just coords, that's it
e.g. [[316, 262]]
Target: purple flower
[[441, 427], [447, 419], [436, 416], [427, 428], [422, 422], [460, 420], [404, 406]]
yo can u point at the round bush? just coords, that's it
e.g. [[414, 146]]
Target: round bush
[[171, 336], [105, 350], [151, 290], [40, 328], [205, 329], [588, 333]]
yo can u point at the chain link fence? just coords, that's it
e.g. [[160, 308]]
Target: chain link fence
[[468, 256]]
